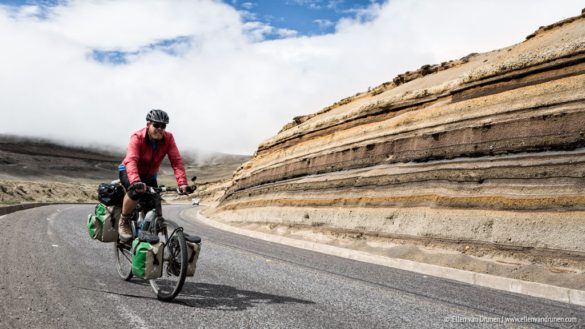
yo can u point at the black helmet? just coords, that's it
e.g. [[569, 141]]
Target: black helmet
[[157, 115]]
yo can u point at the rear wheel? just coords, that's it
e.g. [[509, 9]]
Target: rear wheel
[[174, 268]]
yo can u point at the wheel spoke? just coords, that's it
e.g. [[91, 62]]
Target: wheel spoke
[[123, 261], [128, 257]]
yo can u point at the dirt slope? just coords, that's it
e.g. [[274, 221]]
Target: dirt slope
[[487, 152]]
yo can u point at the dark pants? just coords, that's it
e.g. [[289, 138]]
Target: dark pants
[[132, 194]]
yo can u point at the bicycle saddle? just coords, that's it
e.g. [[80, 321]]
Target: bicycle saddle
[[192, 238]]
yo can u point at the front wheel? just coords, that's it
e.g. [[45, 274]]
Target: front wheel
[[174, 268], [124, 257], [123, 260]]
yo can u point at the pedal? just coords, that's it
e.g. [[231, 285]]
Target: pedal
[[126, 244]]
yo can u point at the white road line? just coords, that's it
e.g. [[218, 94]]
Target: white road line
[[135, 320]]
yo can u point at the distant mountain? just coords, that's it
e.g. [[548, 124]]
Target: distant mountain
[[45, 147], [33, 159]]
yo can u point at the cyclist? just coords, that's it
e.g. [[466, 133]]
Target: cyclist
[[146, 150]]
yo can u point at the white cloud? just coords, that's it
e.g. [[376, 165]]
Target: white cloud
[[229, 88], [312, 4], [257, 30], [248, 15], [332, 4], [286, 33], [248, 5], [323, 23]]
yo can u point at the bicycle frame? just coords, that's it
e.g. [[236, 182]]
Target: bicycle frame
[[152, 200], [174, 245]]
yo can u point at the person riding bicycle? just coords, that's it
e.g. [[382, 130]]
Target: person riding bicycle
[[146, 150]]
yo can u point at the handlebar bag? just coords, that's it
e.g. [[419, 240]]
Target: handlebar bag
[[193, 250], [147, 259], [102, 225]]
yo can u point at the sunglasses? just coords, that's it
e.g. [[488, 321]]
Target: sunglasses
[[159, 125]]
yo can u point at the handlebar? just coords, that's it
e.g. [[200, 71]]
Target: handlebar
[[160, 189]]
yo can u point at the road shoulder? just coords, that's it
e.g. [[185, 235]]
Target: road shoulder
[[535, 289]]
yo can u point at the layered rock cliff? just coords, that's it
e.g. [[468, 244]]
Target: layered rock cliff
[[488, 149]]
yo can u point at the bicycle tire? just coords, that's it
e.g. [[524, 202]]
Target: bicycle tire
[[174, 271], [123, 261], [124, 258]]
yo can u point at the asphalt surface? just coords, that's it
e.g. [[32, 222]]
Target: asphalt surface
[[53, 276]]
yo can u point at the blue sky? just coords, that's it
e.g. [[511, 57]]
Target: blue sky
[[305, 17], [288, 17], [29, 2], [267, 20], [229, 73]]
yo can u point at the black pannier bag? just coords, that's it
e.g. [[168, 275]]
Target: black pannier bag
[[111, 194]]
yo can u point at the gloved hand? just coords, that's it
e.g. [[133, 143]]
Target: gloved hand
[[139, 187], [184, 189]]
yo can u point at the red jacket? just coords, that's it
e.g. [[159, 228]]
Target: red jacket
[[142, 161]]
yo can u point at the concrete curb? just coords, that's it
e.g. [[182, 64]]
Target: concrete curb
[[566, 295], [4, 210]]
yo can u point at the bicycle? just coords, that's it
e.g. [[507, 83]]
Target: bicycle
[[174, 267]]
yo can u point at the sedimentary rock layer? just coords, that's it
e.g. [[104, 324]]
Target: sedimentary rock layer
[[489, 148]]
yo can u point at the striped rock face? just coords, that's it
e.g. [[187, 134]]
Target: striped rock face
[[486, 149]]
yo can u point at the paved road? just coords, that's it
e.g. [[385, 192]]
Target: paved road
[[53, 276]]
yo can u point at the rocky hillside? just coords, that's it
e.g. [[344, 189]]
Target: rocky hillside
[[486, 150], [36, 170]]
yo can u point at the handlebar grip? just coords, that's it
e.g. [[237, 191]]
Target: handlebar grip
[[190, 189]]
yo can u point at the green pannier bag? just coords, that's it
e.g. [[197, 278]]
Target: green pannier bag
[[193, 250], [147, 258], [102, 225]]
